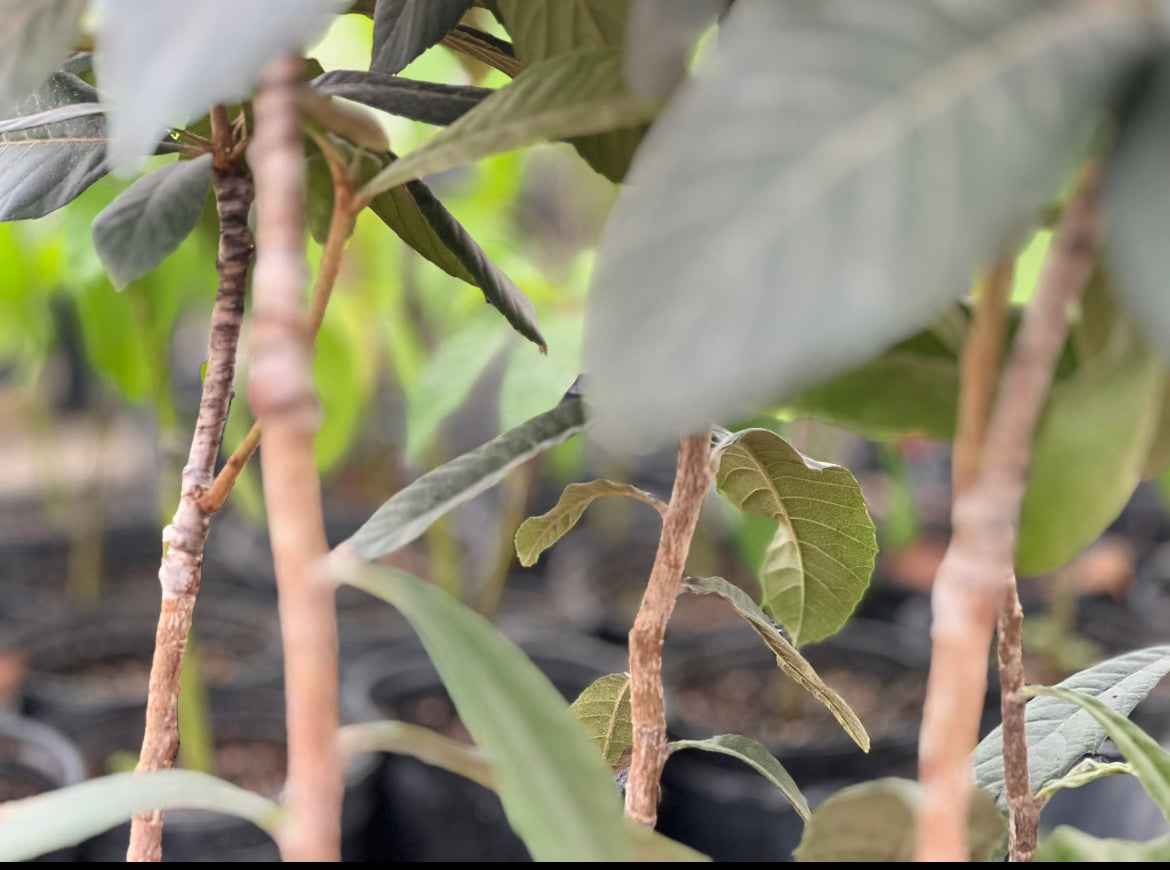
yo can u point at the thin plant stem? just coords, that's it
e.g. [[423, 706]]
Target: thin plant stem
[[183, 539], [282, 394], [976, 571], [695, 472]]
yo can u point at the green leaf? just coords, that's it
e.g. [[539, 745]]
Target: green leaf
[[1069, 844], [425, 744], [541, 29], [790, 661], [537, 534], [344, 370], [1158, 457], [56, 819], [1084, 773], [148, 220], [157, 74], [754, 755], [46, 167], [1089, 452], [868, 180], [1060, 735], [35, 37], [652, 846], [556, 789], [1150, 762], [533, 380], [429, 102], [876, 821], [564, 96], [821, 557], [604, 709], [404, 29], [412, 510], [659, 36]]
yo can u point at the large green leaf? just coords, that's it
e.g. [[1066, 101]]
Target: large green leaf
[[149, 219], [756, 756], [56, 819], [35, 37], [1150, 762], [821, 557], [537, 534], [876, 821], [564, 96], [429, 102], [404, 29], [604, 709], [45, 167], [1069, 844], [1089, 452], [162, 63], [797, 210], [790, 661], [412, 510], [1060, 735], [556, 789]]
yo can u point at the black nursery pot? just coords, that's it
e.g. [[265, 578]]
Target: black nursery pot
[[429, 814]]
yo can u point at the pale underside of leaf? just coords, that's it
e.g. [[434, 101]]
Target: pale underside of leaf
[[537, 534], [755, 755], [604, 709], [790, 661]]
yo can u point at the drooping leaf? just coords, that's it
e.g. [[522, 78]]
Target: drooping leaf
[[148, 220], [659, 36], [790, 661], [35, 37], [833, 226], [162, 63], [604, 709], [1067, 843], [876, 821], [537, 534], [1088, 454], [412, 510], [1089, 770], [45, 167], [564, 96], [755, 755], [425, 744], [820, 560], [404, 29], [556, 789], [1150, 762], [1060, 735], [67, 816], [429, 102]]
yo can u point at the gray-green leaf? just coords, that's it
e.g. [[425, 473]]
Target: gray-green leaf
[[412, 510], [1069, 844], [790, 661], [537, 534], [604, 709], [35, 37], [826, 188], [659, 36], [819, 562], [404, 29], [148, 220], [755, 755], [429, 102], [1060, 735]]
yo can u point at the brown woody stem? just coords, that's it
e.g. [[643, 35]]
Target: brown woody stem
[[976, 572], [282, 395], [184, 538], [693, 478]]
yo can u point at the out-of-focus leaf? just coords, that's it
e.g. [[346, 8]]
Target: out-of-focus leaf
[[757, 756], [485, 48], [876, 821], [604, 709], [429, 102], [56, 819], [1158, 457], [404, 29], [790, 661], [537, 534], [148, 220], [35, 37], [164, 62], [51, 116], [345, 371], [1067, 843], [1084, 773], [556, 789], [659, 36], [412, 510], [819, 562], [567, 95], [1060, 735], [818, 231], [46, 167], [352, 123], [534, 380], [425, 744]]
